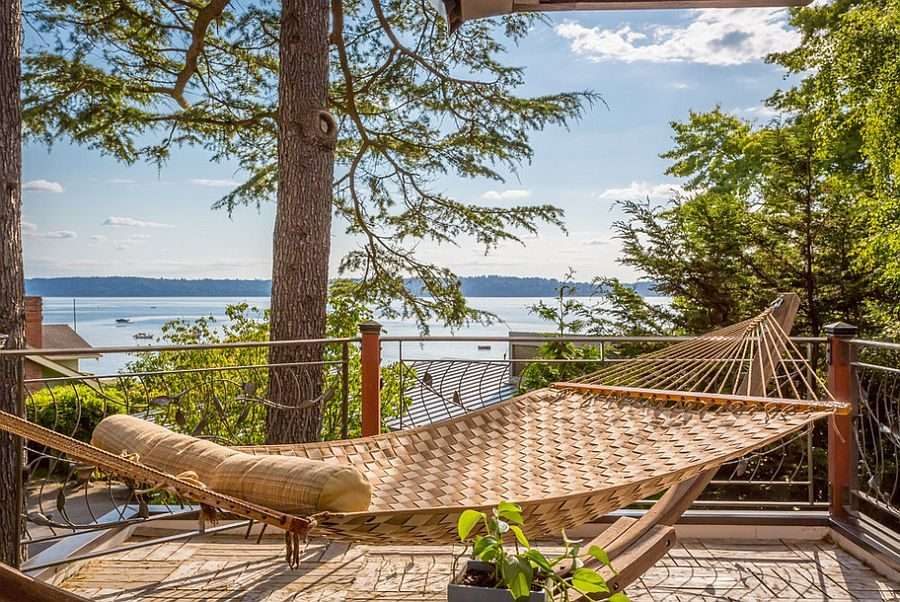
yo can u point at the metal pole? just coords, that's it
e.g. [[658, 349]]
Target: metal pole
[[345, 390]]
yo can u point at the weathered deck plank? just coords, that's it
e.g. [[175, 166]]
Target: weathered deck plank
[[229, 568]]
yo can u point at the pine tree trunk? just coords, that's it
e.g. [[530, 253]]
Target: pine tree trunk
[[306, 141], [12, 310]]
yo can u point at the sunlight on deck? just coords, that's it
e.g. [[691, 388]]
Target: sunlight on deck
[[232, 568]]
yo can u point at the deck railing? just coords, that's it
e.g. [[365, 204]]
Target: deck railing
[[874, 458], [376, 382]]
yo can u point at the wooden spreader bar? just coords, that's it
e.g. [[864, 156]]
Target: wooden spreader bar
[[701, 397]]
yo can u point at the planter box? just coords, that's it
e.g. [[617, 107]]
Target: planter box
[[469, 593]]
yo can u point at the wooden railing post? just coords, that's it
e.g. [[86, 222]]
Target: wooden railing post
[[370, 374], [841, 444]]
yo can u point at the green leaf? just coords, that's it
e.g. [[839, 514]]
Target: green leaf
[[601, 555], [619, 597], [520, 535], [467, 521], [517, 575], [588, 581], [538, 559], [485, 548], [510, 512]]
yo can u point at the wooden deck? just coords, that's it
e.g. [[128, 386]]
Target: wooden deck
[[228, 567]]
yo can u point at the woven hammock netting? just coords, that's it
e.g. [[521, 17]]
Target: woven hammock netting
[[567, 454]]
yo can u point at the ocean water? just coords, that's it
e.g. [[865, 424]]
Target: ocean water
[[95, 320]]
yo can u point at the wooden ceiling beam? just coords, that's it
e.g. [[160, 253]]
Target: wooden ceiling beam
[[458, 11]]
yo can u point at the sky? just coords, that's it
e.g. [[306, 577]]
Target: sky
[[87, 215]]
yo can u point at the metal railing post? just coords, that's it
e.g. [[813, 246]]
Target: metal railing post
[[345, 390], [841, 444], [370, 375]]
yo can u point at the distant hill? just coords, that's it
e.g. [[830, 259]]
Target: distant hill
[[129, 286], [517, 286]]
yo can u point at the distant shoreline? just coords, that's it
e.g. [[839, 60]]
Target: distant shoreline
[[128, 286]]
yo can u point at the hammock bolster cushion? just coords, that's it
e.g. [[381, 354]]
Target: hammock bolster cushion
[[285, 483]]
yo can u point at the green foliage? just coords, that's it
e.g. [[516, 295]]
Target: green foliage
[[566, 315], [850, 64], [806, 203], [614, 309], [524, 568], [219, 392], [765, 209], [73, 409], [135, 80], [621, 311], [567, 362]]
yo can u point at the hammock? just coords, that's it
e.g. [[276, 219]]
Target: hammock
[[567, 454]]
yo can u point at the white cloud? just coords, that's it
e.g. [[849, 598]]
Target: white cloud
[[712, 37], [596, 242], [639, 191], [681, 86], [130, 242], [506, 195], [28, 227], [130, 222], [761, 111], [99, 238], [215, 183], [55, 234], [43, 186]]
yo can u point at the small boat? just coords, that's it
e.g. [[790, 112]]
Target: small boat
[[123, 320], [143, 335], [484, 347]]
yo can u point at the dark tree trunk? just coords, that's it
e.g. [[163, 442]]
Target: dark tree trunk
[[12, 310], [306, 141]]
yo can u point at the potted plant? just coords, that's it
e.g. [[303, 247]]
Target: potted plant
[[498, 570]]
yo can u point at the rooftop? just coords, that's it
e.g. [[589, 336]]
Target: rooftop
[[62, 336]]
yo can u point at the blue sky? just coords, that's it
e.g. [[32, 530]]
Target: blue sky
[[88, 215]]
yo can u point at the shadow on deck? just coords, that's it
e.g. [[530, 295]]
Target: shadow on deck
[[230, 568]]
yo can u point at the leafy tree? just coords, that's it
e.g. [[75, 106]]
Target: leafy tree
[[764, 210], [849, 60], [223, 393], [614, 309], [623, 312], [806, 203], [566, 315], [407, 104]]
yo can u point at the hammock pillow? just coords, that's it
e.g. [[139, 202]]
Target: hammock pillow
[[285, 483], [158, 447]]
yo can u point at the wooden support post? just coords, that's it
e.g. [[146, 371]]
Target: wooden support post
[[841, 444], [370, 374]]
